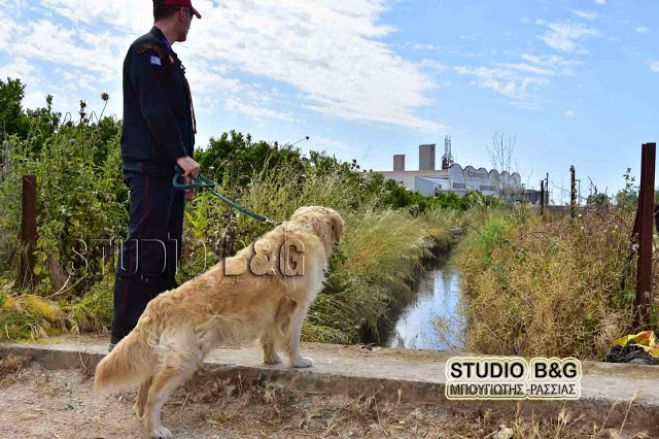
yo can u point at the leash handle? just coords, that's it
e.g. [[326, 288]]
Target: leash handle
[[199, 182]]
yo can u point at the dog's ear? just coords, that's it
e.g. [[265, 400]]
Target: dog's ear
[[336, 223], [318, 225], [325, 223]]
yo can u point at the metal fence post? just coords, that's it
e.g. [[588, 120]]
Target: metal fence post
[[645, 217], [542, 198], [573, 192]]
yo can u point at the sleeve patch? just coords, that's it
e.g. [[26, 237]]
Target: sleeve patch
[[155, 60]]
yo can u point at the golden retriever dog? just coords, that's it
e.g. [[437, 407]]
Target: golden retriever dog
[[263, 291]]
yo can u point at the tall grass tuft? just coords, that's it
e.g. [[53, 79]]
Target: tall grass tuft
[[373, 270]]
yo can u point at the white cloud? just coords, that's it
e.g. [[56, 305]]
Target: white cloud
[[555, 63], [125, 16], [239, 106], [566, 36], [587, 15], [570, 113], [14, 7], [47, 41], [600, 2], [19, 68], [330, 52], [507, 82], [76, 80], [642, 30], [9, 28], [327, 143], [528, 68], [419, 46], [521, 82], [655, 66], [434, 65]]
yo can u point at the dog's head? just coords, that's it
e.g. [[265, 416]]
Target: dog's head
[[326, 223]]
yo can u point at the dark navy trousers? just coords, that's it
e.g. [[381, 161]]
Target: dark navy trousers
[[149, 256]]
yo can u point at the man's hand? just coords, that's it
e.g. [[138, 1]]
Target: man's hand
[[190, 167]]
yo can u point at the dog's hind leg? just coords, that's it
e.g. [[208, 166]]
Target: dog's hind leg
[[267, 342], [175, 370], [142, 393]]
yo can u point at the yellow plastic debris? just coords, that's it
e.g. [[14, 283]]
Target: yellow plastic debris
[[646, 340]]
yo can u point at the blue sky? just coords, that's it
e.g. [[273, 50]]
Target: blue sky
[[576, 82]]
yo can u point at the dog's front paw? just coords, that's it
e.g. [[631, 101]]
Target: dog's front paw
[[274, 359], [161, 433], [302, 362]]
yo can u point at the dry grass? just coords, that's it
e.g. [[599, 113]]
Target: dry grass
[[549, 287], [29, 316]]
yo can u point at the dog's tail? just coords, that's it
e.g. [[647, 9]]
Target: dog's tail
[[131, 361]]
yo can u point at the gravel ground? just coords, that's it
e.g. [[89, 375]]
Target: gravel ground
[[39, 403]]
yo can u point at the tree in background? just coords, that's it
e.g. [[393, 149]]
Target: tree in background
[[13, 119], [235, 157], [36, 125], [598, 200], [502, 151]]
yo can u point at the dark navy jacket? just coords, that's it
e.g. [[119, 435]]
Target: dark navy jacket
[[159, 122]]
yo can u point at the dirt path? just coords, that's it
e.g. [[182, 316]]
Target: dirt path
[[38, 403]]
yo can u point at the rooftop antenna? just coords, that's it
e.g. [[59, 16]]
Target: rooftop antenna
[[447, 158]]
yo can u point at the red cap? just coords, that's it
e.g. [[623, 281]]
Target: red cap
[[179, 4]]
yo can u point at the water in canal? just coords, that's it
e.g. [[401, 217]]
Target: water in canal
[[433, 320]]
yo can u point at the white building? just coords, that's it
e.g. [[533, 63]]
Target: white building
[[453, 178]]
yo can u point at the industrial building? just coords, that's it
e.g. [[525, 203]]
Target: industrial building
[[454, 178]]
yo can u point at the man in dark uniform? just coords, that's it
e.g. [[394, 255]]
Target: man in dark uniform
[[158, 133]]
